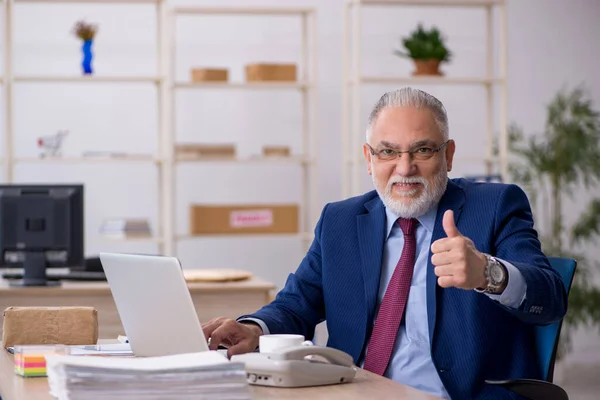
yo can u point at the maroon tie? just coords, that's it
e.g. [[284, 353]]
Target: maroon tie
[[392, 307]]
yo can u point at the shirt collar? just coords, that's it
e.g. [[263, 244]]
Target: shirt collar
[[427, 219]]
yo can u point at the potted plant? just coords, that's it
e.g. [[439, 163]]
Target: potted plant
[[427, 49], [551, 167], [86, 32]]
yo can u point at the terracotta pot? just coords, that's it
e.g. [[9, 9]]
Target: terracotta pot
[[427, 67]]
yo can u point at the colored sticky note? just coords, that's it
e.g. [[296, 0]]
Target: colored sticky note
[[30, 364]]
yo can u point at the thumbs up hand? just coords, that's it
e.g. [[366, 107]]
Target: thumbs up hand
[[457, 262]]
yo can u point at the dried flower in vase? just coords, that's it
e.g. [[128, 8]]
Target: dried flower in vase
[[85, 31]]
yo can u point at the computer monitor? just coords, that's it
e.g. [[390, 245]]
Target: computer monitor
[[41, 226]]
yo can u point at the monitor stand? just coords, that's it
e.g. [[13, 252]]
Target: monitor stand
[[34, 271]]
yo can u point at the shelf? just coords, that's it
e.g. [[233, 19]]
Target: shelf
[[247, 160], [303, 236], [492, 81], [88, 160], [130, 238], [303, 87], [437, 3], [163, 79], [87, 79], [112, 2], [242, 85], [438, 80], [457, 159], [240, 11]]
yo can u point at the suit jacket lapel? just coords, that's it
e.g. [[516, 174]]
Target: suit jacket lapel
[[371, 231], [453, 199]]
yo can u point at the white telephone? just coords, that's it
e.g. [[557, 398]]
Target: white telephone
[[298, 366]]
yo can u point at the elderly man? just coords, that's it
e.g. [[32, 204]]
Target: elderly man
[[433, 282]]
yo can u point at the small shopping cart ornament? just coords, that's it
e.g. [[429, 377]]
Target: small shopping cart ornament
[[51, 144]]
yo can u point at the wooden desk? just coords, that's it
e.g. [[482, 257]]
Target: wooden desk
[[365, 386], [230, 299]]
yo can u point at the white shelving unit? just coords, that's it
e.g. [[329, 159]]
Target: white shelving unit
[[12, 78], [305, 84], [166, 160], [85, 79], [354, 80]]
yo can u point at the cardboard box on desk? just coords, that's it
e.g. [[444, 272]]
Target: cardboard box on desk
[[50, 325], [243, 219]]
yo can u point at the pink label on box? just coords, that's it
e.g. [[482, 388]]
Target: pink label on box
[[251, 218]]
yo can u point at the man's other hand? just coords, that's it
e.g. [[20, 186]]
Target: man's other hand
[[238, 337]]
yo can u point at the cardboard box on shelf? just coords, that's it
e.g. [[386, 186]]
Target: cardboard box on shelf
[[193, 151], [243, 219], [271, 72], [209, 75], [277, 151]]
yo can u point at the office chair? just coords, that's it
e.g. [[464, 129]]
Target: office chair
[[546, 343], [485, 178]]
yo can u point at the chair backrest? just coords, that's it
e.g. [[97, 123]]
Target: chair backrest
[[485, 178], [546, 337]]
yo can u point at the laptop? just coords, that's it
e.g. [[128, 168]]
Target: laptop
[[154, 304]]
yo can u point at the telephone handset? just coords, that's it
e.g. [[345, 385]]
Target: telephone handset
[[298, 366], [333, 356]]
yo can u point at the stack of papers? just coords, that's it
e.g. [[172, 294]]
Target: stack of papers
[[205, 375]]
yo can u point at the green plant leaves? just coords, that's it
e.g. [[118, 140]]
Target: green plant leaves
[[552, 165], [587, 226], [425, 45]]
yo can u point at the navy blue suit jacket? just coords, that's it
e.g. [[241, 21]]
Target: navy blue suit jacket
[[472, 337]]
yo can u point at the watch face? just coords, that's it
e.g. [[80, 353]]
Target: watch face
[[496, 273]]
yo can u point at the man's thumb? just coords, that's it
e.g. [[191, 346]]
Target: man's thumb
[[449, 225]]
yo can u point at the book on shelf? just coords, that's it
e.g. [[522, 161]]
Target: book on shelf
[[126, 227], [191, 151], [204, 375]]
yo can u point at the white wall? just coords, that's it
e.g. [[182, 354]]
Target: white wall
[[551, 43]]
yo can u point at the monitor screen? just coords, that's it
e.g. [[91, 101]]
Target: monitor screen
[[41, 226]]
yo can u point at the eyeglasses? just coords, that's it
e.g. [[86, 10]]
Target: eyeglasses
[[420, 153]]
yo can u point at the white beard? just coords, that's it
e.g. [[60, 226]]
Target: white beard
[[414, 207]]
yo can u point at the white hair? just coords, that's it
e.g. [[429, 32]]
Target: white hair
[[409, 97]]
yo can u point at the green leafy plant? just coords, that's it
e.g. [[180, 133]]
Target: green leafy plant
[[85, 31], [551, 167], [424, 44]]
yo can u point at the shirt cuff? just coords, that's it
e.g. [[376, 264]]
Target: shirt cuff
[[516, 289], [257, 321]]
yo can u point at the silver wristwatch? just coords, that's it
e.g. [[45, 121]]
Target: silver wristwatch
[[496, 275]]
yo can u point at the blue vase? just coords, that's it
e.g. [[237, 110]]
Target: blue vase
[[86, 64]]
